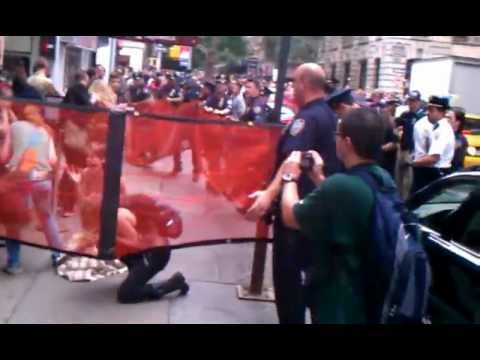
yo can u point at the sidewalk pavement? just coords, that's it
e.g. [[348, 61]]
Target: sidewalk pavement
[[39, 296]]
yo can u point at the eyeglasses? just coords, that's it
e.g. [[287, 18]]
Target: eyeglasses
[[339, 134]]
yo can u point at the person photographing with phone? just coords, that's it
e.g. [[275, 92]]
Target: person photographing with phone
[[336, 218]]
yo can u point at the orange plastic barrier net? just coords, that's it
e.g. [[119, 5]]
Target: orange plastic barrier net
[[183, 182], [51, 175], [198, 175]]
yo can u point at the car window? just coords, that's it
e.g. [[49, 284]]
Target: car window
[[454, 194], [444, 200]]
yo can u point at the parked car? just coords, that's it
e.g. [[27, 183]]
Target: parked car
[[472, 133], [455, 293]]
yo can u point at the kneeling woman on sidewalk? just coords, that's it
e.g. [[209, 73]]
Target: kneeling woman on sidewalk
[[142, 220], [143, 228]]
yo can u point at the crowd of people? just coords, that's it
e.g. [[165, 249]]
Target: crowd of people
[[35, 152], [424, 140], [237, 98], [323, 231], [321, 216]]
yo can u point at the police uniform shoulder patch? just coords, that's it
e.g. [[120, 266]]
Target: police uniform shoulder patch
[[297, 127]]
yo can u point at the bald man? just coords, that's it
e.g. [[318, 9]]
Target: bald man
[[312, 129]]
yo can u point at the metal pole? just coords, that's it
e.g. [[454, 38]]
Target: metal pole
[[259, 257], [282, 75], [2, 50], [111, 189], [256, 290]]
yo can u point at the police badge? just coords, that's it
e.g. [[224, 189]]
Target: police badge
[[297, 127]]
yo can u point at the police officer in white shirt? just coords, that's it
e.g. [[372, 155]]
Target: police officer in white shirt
[[434, 145]]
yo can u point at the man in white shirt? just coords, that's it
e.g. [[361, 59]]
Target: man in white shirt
[[421, 137], [434, 145]]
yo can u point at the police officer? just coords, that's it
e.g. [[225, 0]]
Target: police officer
[[342, 102], [219, 102], [311, 129], [257, 109], [405, 124], [175, 94], [137, 91], [206, 91], [267, 93], [191, 90], [434, 144]]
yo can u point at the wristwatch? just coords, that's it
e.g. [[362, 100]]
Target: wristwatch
[[289, 177]]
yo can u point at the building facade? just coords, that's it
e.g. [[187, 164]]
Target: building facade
[[66, 54], [371, 62]]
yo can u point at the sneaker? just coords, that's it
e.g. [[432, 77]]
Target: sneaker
[[13, 270]]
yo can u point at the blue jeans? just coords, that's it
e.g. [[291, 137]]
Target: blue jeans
[[13, 253], [42, 192]]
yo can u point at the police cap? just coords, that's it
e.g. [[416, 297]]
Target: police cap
[[340, 96], [414, 95], [439, 102]]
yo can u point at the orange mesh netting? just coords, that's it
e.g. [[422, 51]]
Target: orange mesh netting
[[184, 182], [44, 194], [203, 170]]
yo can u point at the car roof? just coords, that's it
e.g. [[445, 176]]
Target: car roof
[[466, 173]]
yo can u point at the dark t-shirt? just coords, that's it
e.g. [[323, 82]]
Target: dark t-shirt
[[461, 145], [29, 92], [387, 159], [77, 95], [407, 120], [217, 103]]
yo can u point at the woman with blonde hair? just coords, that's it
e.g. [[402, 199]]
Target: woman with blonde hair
[[32, 160]]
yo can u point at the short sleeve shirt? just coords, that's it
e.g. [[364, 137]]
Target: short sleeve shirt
[[27, 136], [421, 136], [442, 143], [313, 128], [336, 218]]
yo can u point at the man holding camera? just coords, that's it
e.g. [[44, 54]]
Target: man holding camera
[[311, 129], [335, 217]]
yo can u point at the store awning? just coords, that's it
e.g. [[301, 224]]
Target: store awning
[[165, 40]]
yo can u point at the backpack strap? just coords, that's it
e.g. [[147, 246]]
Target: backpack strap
[[371, 180], [376, 183]]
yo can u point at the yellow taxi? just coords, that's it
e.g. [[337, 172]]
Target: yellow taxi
[[472, 133]]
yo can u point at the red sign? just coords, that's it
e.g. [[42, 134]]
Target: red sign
[[166, 40]]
